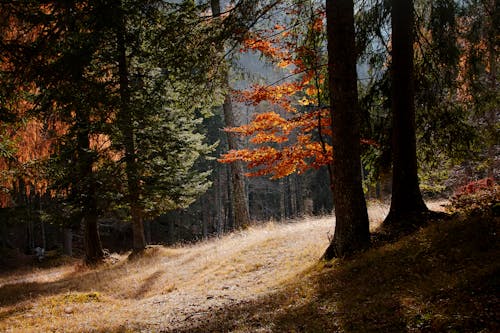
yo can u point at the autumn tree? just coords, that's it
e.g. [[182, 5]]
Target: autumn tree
[[52, 63], [296, 142], [291, 135], [238, 193]]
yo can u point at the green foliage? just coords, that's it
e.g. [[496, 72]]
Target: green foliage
[[172, 87], [74, 65]]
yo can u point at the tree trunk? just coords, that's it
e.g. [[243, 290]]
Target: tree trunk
[[351, 227], [147, 231], [492, 114], [293, 196], [239, 198], [219, 199], [171, 229], [86, 190], [68, 241], [127, 128], [406, 200], [282, 188]]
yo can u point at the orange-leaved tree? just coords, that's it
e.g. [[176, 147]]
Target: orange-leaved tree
[[293, 134]]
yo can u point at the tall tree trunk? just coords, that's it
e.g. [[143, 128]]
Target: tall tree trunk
[[87, 189], [406, 200], [171, 228], [351, 226], [127, 128], [238, 198]]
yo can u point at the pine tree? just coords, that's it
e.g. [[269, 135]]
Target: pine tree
[[406, 200], [351, 226]]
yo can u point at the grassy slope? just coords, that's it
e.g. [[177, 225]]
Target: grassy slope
[[268, 279]]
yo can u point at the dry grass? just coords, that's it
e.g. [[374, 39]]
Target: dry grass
[[263, 279], [165, 285]]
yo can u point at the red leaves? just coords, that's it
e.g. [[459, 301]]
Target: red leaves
[[278, 95], [476, 186], [282, 146], [293, 139]]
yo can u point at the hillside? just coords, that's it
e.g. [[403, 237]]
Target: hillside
[[268, 279]]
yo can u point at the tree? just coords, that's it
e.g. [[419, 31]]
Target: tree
[[292, 135], [126, 125], [51, 65], [238, 195], [166, 85], [81, 64], [406, 200], [351, 226], [301, 149], [479, 23]]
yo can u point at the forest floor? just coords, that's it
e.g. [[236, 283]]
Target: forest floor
[[268, 278]]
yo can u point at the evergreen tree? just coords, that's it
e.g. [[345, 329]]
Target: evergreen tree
[[129, 78], [351, 226], [406, 198], [158, 113]]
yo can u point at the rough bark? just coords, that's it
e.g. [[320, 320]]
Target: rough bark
[[406, 200], [126, 124], [239, 197], [293, 196], [351, 227]]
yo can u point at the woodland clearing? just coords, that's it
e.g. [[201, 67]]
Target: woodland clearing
[[268, 278]]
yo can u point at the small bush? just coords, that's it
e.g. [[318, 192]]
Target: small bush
[[476, 197]]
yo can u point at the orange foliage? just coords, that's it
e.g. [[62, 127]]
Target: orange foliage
[[283, 146], [292, 140], [288, 142], [33, 144]]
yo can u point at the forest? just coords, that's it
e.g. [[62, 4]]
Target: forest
[[249, 166]]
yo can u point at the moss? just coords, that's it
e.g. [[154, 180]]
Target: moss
[[82, 297]]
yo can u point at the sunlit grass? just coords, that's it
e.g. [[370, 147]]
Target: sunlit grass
[[266, 278]]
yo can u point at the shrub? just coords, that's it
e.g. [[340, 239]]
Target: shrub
[[476, 197]]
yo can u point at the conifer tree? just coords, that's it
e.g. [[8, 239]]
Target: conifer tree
[[406, 200], [351, 226]]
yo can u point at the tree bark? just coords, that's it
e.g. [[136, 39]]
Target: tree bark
[[68, 241], [86, 190], [127, 128], [351, 227], [492, 62], [406, 200], [239, 197]]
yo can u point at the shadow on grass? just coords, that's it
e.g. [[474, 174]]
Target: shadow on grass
[[13, 293], [444, 278], [82, 279]]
